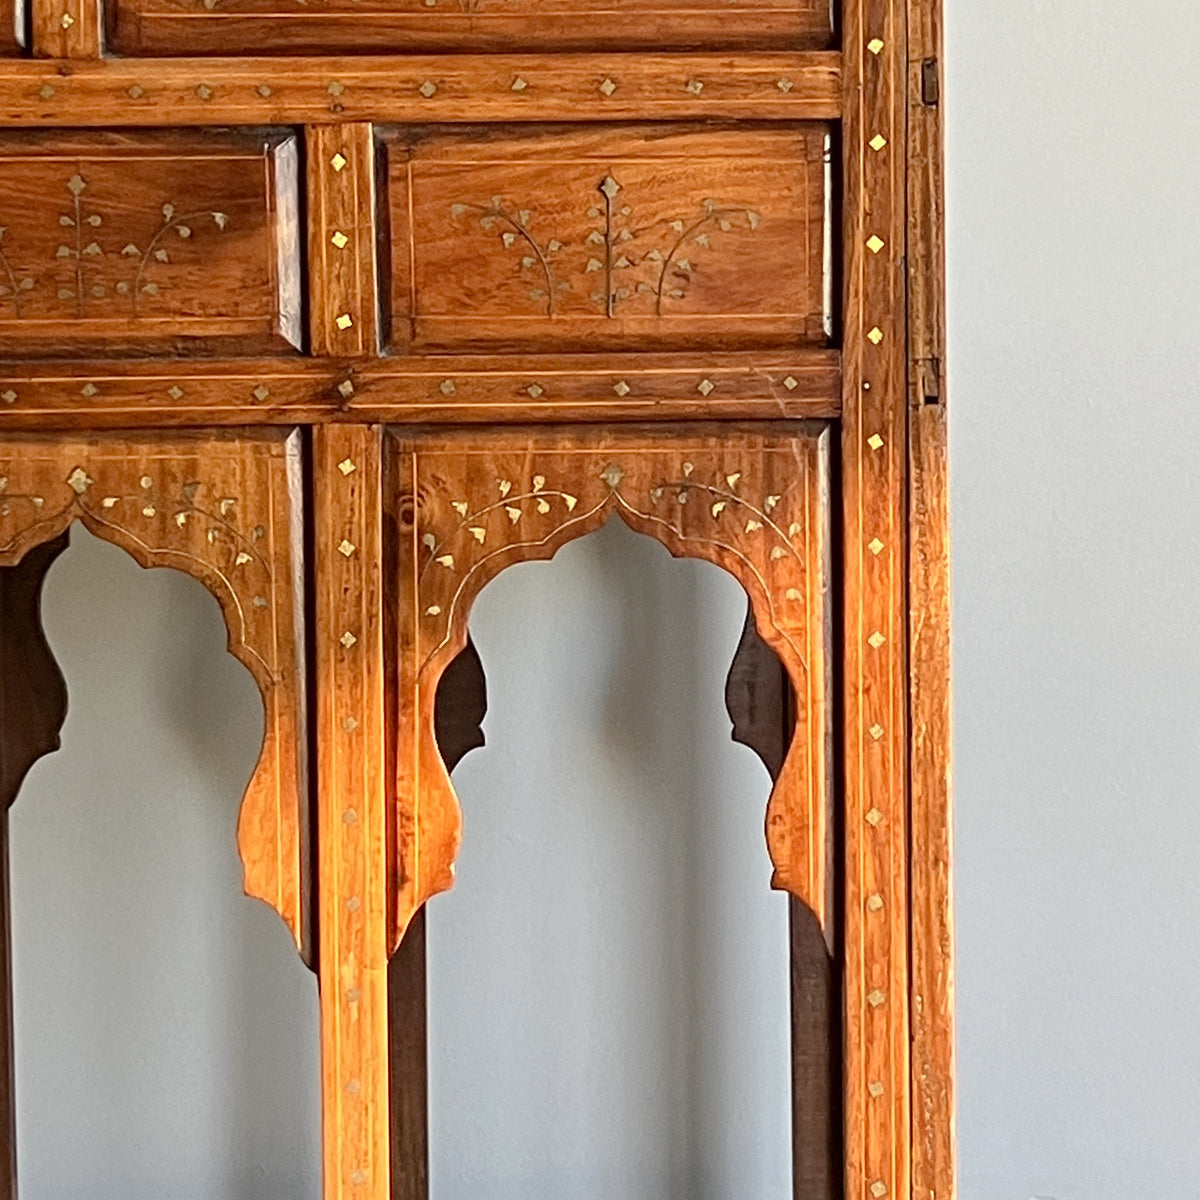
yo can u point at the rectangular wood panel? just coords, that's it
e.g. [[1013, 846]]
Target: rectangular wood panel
[[154, 242], [617, 238], [379, 26]]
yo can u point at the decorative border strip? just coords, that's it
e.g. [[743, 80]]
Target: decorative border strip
[[448, 389], [875, 625], [352, 817], [931, 840], [415, 89]]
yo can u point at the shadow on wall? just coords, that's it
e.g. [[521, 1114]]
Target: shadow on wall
[[609, 1004], [167, 1031]]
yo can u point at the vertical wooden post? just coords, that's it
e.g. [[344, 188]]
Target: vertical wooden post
[[929, 617], [341, 240], [353, 769], [67, 29], [875, 627]]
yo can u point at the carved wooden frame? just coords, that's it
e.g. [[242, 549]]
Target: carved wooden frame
[[883, 389]]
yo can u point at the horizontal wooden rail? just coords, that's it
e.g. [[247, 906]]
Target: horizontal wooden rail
[[446, 389], [420, 88]]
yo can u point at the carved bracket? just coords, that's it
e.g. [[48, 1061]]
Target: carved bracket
[[754, 503], [225, 510]]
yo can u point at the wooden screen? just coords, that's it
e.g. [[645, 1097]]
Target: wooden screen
[[344, 308]]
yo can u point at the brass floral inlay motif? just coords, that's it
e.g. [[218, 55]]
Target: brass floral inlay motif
[[663, 271], [86, 243]]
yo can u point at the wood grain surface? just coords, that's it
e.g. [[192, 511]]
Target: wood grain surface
[[614, 238], [354, 766], [446, 388], [226, 510], [376, 26], [874, 595], [753, 501], [177, 242], [415, 88], [929, 622]]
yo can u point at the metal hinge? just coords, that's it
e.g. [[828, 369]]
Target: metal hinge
[[930, 83]]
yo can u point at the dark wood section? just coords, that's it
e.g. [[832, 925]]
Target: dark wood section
[[817, 1159], [408, 1066], [461, 707], [169, 242], [33, 695], [618, 238], [13, 16], [759, 700], [377, 26]]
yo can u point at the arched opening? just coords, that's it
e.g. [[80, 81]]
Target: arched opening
[[610, 989], [166, 1029]]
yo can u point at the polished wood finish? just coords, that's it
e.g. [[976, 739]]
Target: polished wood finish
[[227, 511], [610, 238], [802, 85], [931, 850], [751, 500], [355, 749], [67, 28], [342, 274], [447, 389], [435, 165], [321, 26], [875, 614], [179, 242]]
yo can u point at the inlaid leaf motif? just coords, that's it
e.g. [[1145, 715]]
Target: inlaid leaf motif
[[666, 270]]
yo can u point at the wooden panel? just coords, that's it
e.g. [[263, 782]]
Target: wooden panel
[[444, 388], [353, 771], [376, 26], [751, 500], [227, 512], [616, 238], [875, 624], [801, 85], [179, 242], [341, 240]]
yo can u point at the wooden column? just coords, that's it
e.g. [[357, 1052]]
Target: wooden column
[[929, 618], [352, 769], [875, 627], [67, 29], [341, 240]]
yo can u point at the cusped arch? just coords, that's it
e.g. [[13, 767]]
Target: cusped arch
[[223, 511], [753, 504]]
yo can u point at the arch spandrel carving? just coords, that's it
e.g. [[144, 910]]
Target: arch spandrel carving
[[226, 511], [753, 503]]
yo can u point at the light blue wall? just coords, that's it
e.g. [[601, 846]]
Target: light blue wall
[[166, 1028], [1074, 206]]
